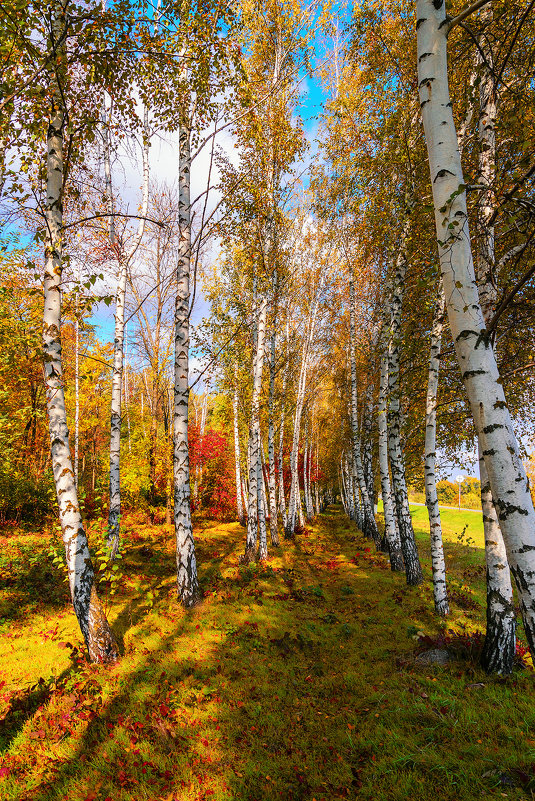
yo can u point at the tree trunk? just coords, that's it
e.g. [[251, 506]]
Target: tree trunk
[[273, 527], [187, 582], [95, 628], [255, 457], [508, 481], [413, 569], [282, 496], [294, 505], [440, 591], [261, 500], [237, 457], [114, 512], [500, 637], [391, 529], [77, 396], [369, 526]]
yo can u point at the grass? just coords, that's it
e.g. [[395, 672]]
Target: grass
[[292, 680]]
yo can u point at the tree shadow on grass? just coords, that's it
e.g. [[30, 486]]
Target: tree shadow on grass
[[237, 699]]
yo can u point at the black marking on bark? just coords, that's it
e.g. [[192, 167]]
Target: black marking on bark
[[500, 404], [489, 429], [441, 174], [425, 55], [489, 452], [471, 373], [509, 508], [420, 22], [438, 4], [465, 334]]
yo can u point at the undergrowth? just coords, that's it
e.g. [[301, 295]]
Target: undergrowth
[[297, 679]]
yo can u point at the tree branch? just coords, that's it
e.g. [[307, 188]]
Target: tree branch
[[452, 22]]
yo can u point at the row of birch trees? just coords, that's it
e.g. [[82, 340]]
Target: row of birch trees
[[470, 305]]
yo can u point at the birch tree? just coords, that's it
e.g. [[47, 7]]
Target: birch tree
[[95, 628], [440, 592], [124, 257], [475, 354], [500, 640]]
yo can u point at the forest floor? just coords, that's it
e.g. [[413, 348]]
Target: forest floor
[[297, 679]]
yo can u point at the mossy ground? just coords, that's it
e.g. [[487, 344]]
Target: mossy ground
[[292, 680]]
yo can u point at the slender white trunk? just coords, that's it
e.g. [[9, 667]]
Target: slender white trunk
[[126, 389], [76, 396], [440, 591], [282, 496], [261, 501], [350, 500], [273, 526], [237, 457], [309, 508], [507, 476], [369, 524], [367, 459], [255, 487], [391, 530], [95, 628], [294, 505], [187, 582], [500, 637], [411, 559], [124, 258]]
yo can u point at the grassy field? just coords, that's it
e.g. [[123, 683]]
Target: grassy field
[[293, 680]]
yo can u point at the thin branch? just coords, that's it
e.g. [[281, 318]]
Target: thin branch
[[449, 24], [517, 287], [115, 214]]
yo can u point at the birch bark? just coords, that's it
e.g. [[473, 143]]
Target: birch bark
[[507, 477], [255, 485], [187, 581], [273, 527], [413, 569], [282, 496], [237, 457], [77, 396], [391, 530], [114, 512], [440, 592], [95, 628], [500, 637], [369, 523], [294, 504]]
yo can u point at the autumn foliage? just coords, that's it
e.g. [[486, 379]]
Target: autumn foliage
[[211, 459]]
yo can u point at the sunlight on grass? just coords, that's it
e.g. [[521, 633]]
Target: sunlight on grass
[[292, 680]]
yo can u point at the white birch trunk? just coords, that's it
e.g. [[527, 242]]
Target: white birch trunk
[[294, 505], [237, 457], [255, 487], [507, 477], [114, 512], [391, 530], [95, 628], [367, 459], [438, 564], [187, 581], [76, 396], [411, 560], [282, 496], [261, 501], [500, 636], [273, 526], [369, 523]]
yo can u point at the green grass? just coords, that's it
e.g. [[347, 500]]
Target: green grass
[[295, 680]]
